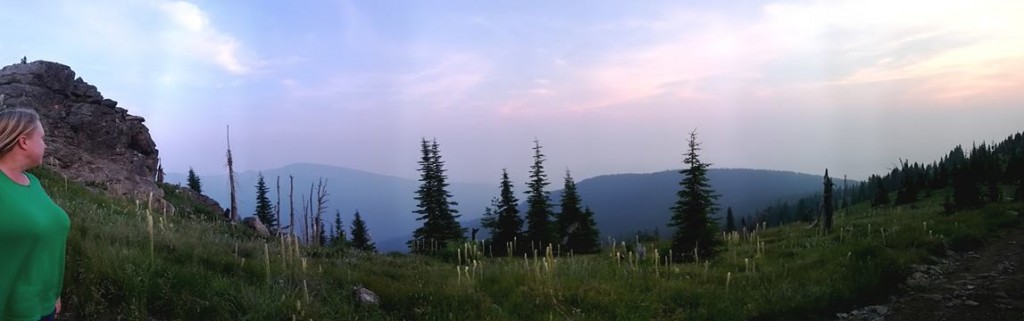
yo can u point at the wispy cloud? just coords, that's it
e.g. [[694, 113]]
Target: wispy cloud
[[437, 82], [947, 49], [177, 33], [191, 30]]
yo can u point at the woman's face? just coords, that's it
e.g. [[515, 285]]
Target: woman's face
[[34, 145]]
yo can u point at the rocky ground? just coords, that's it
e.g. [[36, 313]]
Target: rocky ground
[[987, 284]]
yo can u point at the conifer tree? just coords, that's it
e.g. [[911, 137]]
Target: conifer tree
[[339, 230], [576, 230], [965, 188], [827, 202], [264, 210], [490, 218], [361, 236], [696, 236], [193, 181], [539, 232], [881, 195], [440, 227], [1015, 174], [507, 224], [730, 224], [587, 234]]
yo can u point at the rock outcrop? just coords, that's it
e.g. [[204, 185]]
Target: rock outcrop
[[256, 226], [90, 139]]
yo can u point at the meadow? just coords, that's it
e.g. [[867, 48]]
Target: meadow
[[128, 260]]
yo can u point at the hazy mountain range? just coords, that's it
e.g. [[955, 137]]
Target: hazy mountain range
[[623, 203]]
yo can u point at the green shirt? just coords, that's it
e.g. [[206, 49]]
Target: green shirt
[[33, 239]]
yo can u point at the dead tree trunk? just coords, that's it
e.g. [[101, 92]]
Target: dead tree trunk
[[305, 220], [321, 206], [309, 217], [277, 207], [291, 204], [231, 181]]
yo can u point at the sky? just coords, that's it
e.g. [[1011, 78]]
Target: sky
[[604, 86]]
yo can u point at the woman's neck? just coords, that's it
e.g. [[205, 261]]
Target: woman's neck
[[13, 171]]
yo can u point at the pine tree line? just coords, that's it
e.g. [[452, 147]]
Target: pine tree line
[[969, 178], [571, 230]]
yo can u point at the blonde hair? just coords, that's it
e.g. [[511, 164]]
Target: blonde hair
[[15, 122]]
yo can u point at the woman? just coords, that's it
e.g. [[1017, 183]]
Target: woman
[[33, 229]]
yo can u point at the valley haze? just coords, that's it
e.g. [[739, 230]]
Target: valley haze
[[623, 203]]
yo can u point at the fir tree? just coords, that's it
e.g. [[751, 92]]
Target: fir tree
[[586, 235], [730, 224], [965, 189], [440, 226], [264, 210], [193, 181], [881, 195], [490, 218], [510, 224], [908, 192], [577, 231], [539, 232], [339, 230], [361, 236], [827, 202], [695, 237], [570, 207]]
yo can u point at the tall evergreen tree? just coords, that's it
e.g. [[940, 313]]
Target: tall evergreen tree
[[508, 224], [489, 220], [881, 194], [361, 236], [586, 235], [965, 188], [827, 202], [862, 192], [993, 194], [908, 191], [193, 181], [264, 210], [1015, 173], [576, 231], [339, 230], [1018, 194], [453, 230], [539, 232], [570, 207], [730, 223], [440, 226], [695, 232]]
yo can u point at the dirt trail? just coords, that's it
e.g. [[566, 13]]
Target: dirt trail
[[987, 284]]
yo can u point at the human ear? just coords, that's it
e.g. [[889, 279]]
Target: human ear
[[23, 142]]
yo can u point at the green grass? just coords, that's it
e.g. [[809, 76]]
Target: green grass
[[195, 273]]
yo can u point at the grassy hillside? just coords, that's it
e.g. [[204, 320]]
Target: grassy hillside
[[199, 269]]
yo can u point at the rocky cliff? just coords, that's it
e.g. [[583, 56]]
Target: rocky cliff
[[90, 139]]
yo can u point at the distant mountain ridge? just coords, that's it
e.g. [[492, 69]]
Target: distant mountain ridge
[[626, 203], [623, 203], [385, 202]]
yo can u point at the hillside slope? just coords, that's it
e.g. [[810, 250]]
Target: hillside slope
[[191, 269]]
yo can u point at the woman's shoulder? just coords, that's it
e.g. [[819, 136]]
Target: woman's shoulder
[[32, 179]]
